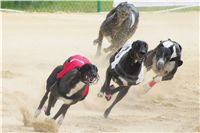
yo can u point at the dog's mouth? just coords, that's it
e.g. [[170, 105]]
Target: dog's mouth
[[91, 78], [140, 56]]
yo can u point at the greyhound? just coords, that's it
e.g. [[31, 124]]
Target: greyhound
[[120, 24], [164, 60], [126, 69], [68, 82]]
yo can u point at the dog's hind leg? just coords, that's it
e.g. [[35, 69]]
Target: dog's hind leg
[[54, 102], [106, 83], [38, 111], [62, 110], [120, 95], [51, 101]]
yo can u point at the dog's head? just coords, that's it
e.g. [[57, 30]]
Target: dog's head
[[165, 52], [89, 73], [122, 11], [138, 51]]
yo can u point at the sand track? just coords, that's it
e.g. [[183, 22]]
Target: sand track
[[33, 44]]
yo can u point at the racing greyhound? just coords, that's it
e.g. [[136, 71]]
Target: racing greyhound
[[69, 82], [164, 60], [126, 69], [120, 24]]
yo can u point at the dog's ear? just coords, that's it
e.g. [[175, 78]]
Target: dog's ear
[[180, 47], [171, 49], [85, 68], [135, 45], [179, 63], [96, 69], [146, 47], [160, 44]]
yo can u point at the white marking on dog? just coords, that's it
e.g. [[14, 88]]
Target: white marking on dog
[[160, 61], [133, 19], [169, 66], [77, 88], [120, 54], [37, 113], [125, 83], [109, 39], [66, 101], [60, 120], [174, 54], [168, 44], [141, 74]]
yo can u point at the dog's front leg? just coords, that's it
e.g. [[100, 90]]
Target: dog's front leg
[[38, 111], [120, 95]]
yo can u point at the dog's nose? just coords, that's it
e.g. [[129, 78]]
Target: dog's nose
[[141, 54], [160, 64]]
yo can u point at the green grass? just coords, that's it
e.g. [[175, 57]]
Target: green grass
[[55, 6], [76, 6]]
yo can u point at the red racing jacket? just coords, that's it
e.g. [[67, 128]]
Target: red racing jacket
[[73, 62]]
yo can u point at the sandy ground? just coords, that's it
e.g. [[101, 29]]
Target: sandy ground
[[33, 44]]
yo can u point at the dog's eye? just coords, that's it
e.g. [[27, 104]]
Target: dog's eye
[[158, 54]]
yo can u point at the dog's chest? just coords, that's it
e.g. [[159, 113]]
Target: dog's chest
[[131, 78], [169, 66], [76, 88]]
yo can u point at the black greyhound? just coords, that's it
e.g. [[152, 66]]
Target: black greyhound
[[72, 87], [120, 24], [164, 60], [125, 69]]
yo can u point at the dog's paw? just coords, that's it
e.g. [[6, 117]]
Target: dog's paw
[[100, 94], [108, 97], [37, 113], [60, 120], [146, 88], [95, 42], [106, 113], [47, 113]]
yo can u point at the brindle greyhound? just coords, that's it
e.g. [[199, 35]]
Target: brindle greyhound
[[71, 88], [125, 69], [164, 60], [120, 24]]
